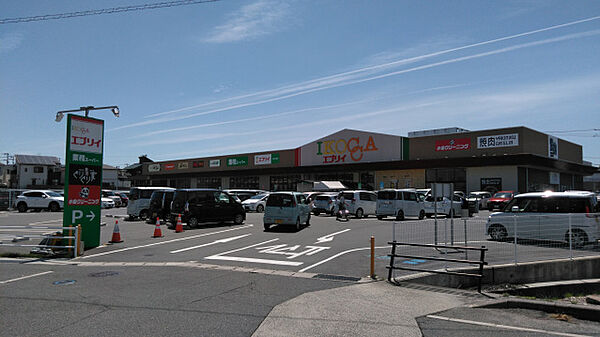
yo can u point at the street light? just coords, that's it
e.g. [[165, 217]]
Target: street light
[[87, 109]]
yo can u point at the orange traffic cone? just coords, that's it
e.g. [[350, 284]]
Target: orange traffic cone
[[116, 236], [179, 226], [157, 231]]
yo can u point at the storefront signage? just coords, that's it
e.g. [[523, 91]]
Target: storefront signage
[[266, 159], [83, 177], [169, 166], [198, 163], [554, 178], [182, 165], [553, 147], [507, 140], [453, 144], [154, 168], [492, 185], [237, 161], [214, 163], [352, 146]]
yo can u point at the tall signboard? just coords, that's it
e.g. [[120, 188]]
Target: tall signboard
[[83, 177]]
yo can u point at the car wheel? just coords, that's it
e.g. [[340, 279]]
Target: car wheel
[[54, 207], [267, 226], [22, 207], [260, 208], [400, 216], [298, 223], [193, 222], [498, 233], [317, 213], [239, 219], [578, 238], [308, 220], [421, 214], [143, 214], [359, 213]]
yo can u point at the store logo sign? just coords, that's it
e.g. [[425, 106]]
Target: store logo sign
[[154, 168], [182, 165], [169, 166], [214, 163], [342, 150], [266, 159], [198, 163], [507, 140], [237, 161], [553, 147], [453, 144]]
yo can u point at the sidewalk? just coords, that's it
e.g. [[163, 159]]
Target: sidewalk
[[370, 309]]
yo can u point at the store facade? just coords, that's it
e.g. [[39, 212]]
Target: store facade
[[518, 158]]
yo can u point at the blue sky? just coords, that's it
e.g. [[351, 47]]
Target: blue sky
[[243, 76]]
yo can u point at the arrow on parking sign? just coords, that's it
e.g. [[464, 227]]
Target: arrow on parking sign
[[210, 243], [91, 216]]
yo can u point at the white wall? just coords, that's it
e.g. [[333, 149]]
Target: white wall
[[26, 178], [509, 175], [110, 177]]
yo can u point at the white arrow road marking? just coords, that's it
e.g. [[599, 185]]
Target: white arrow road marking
[[210, 243], [252, 260], [25, 277], [329, 237], [91, 216]]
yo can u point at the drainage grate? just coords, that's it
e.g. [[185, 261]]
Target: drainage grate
[[104, 274], [337, 277]]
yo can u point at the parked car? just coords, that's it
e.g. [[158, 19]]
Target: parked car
[[500, 199], [547, 216], [256, 203], [286, 208], [399, 203], [160, 205], [479, 199], [443, 206], [324, 203], [38, 200], [107, 202], [124, 198], [359, 203], [139, 201], [200, 205], [110, 194], [243, 194]]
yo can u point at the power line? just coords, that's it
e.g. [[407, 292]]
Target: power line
[[569, 131], [104, 11]]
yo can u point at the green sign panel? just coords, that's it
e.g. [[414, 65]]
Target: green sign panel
[[83, 177], [237, 161]]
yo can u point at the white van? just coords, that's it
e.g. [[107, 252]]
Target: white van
[[139, 201], [360, 203], [546, 216], [399, 203]]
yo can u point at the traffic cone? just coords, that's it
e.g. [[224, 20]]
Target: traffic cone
[[157, 231], [116, 236], [179, 226]]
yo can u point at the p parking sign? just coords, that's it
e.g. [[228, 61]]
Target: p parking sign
[[83, 177]]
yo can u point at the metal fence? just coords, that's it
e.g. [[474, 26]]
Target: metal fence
[[8, 197], [52, 238], [509, 237]]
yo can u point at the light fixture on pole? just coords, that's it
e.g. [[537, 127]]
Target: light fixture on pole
[[87, 109]]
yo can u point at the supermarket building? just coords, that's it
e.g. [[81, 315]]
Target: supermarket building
[[515, 158]]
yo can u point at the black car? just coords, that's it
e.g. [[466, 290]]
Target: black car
[[160, 205], [205, 205]]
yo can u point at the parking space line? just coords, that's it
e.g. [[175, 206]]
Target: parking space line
[[338, 255], [508, 327], [165, 242], [209, 244], [25, 277]]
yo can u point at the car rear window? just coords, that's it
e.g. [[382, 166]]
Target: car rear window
[[323, 197], [280, 200], [347, 196]]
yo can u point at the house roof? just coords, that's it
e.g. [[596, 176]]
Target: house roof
[[26, 159], [108, 167]]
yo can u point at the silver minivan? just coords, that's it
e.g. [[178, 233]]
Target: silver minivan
[[359, 203], [399, 203], [548, 216], [286, 208]]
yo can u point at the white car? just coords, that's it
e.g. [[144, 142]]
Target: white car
[[39, 200], [359, 203], [399, 203], [111, 195], [324, 203], [443, 206], [256, 203], [481, 198], [107, 202]]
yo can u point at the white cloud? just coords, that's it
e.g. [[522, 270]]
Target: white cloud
[[260, 18], [10, 42]]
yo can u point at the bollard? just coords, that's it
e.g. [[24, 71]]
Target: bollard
[[372, 257]]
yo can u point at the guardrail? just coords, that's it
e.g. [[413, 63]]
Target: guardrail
[[481, 261], [73, 241]]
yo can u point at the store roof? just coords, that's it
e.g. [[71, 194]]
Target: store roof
[[25, 159]]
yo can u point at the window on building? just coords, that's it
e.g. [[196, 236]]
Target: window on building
[[208, 182], [284, 183], [38, 169], [249, 182]]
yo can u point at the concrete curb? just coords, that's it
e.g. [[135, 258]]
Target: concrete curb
[[588, 313]]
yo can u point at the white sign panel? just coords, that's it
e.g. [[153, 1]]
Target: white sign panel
[[86, 136], [553, 147], [554, 178], [214, 163], [154, 168], [486, 142], [262, 159]]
